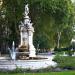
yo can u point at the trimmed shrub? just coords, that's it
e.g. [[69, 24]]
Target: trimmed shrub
[[65, 62]]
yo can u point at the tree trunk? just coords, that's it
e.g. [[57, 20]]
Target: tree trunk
[[58, 40]]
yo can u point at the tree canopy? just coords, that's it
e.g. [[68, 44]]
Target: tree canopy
[[53, 21], [52, 18]]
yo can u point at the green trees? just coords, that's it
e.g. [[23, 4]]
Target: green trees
[[53, 21], [13, 16], [11, 13]]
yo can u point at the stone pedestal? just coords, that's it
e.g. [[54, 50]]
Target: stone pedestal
[[31, 46]]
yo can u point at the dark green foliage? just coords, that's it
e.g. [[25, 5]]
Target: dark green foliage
[[41, 42], [52, 17], [65, 62], [62, 49], [49, 18], [14, 13]]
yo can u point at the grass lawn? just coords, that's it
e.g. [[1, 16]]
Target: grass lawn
[[50, 73]]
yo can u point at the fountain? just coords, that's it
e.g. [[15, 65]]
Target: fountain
[[25, 55], [26, 49], [26, 46], [12, 51]]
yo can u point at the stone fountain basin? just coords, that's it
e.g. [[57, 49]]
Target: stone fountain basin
[[32, 58], [28, 64]]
